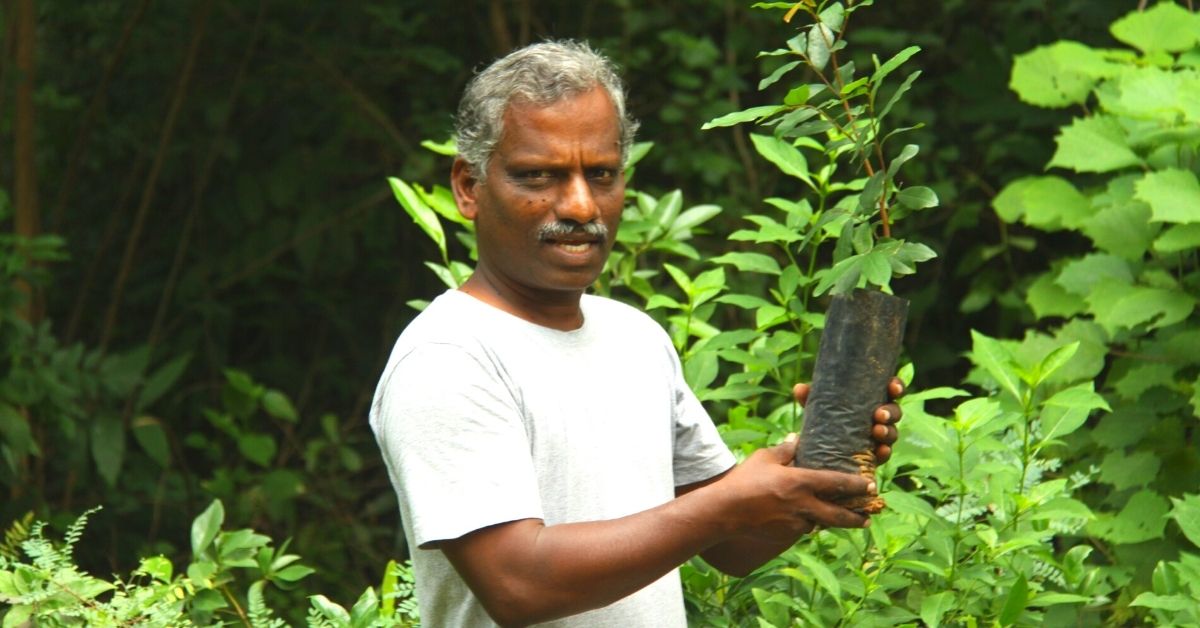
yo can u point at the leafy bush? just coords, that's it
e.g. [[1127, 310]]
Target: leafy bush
[[51, 590]]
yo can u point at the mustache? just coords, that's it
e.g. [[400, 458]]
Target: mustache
[[563, 228]]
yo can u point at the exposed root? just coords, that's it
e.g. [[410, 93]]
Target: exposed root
[[867, 504]]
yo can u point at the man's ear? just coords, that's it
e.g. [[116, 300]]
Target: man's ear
[[465, 187]]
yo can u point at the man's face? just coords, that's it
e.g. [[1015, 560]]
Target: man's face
[[553, 182]]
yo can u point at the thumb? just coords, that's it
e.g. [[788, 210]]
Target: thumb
[[785, 452]]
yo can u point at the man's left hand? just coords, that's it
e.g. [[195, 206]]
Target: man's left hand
[[886, 416]]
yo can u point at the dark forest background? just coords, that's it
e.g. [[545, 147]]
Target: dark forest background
[[220, 268]]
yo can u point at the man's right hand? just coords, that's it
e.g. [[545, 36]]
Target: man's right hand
[[778, 502]]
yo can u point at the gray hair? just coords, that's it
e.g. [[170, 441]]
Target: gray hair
[[541, 74]]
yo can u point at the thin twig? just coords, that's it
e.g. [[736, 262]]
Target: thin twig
[[148, 191]]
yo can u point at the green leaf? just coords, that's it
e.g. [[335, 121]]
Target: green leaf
[[1118, 306], [108, 446], [1178, 238], [1014, 605], [1081, 276], [1068, 410], [875, 269], [661, 300], [1055, 361], [820, 39], [691, 218], [1047, 298], [667, 209], [294, 573], [797, 96], [279, 406], [206, 526], [900, 91], [447, 148], [745, 115], [1186, 513], [1095, 144], [15, 430], [1048, 203], [1143, 518], [257, 448], [1059, 74], [750, 262], [1133, 383], [420, 213], [1173, 195], [1170, 603], [917, 197], [152, 438], [1164, 27], [889, 66], [788, 158], [934, 606], [161, 381], [680, 278], [997, 361], [1121, 228], [157, 567], [908, 152], [1134, 470], [330, 610]]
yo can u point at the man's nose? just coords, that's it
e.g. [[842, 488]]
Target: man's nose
[[577, 202]]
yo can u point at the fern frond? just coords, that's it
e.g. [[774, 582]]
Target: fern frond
[[16, 534]]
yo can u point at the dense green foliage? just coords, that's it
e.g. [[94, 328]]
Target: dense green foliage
[[224, 271]]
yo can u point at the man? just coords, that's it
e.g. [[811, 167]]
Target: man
[[549, 459]]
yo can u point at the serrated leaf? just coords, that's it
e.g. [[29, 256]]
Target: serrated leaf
[[1059, 74], [1165, 26], [1178, 238], [1118, 306], [1173, 195], [1122, 228], [1129, 471], [1095, 144], [1047, 298], [1048, 203], [1141, 519], [1186, 513], [1082, 275]]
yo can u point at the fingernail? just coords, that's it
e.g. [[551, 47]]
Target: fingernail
[[791, 438], [871, 488], [887, 416], [867, 523]]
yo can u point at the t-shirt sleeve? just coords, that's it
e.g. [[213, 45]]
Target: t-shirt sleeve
[[699, 451], [455, 444]]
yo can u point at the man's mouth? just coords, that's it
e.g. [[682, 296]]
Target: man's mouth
[[572, 245]]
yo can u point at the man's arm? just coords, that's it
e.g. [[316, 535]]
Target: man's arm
[[525, 572]]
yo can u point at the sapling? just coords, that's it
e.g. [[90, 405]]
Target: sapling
[[864, 327]]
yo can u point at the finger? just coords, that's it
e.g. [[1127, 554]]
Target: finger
[[895, 388], [831, 515], [800, 392], [883, 453], [887, 413], [835, 484], [884, 434], [785, 452]]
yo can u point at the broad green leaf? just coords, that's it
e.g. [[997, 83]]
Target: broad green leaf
[[1141, 519], [1147, 93], [1082, 275], [1046, 298], [1134, 470], [14, 428], [1133, 383], [1178, 238], [900, 91], [1014, 604], [934, 606], [868, 200], [1123, 229], [279, 406], [206, 526], [1055, 361], [788, 158], [1165, 26], [257, 448], [820, 572], [1186, 513], [387, 590], [447, 148], [1173, 195], [1095, 144], [108, 446], [150, 435], [156, 567], [744, 301], [1068, 410], [820, 39], [1049, 203], [680, 278], [420, 213], [774, 77], [667, 209], [917, 197], [908, 152], [997, 361], [842, 278], [750, 262], [1059, 74], [293, 573], [875, 269], [661, 300], [797, 96], [707, 285], [1118, 306]]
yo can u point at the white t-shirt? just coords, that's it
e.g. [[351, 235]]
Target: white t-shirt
[[484, 418]]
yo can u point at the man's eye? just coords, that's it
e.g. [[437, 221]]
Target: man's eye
[[537, 175], [602, 174]]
